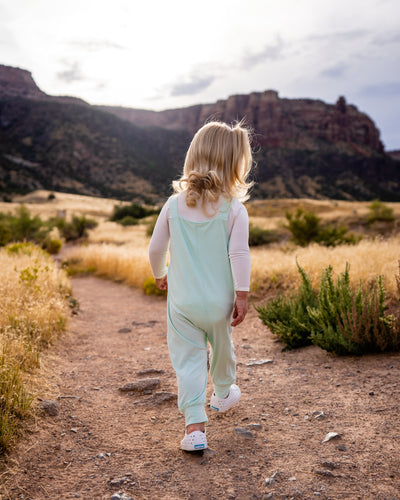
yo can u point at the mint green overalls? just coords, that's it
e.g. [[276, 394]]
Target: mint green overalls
[[200, 305]]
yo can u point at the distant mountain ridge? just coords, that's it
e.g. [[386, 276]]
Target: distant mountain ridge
[[278, 123], [303, 147]]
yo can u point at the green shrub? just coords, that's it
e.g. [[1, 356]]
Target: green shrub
[[306, 228], [378, 211], [75, 229], [332, 236], [348, 322], [336, 319], [259, 236], [150, 288], [287, 317], [128, 220], [52, 245], [133, 210]]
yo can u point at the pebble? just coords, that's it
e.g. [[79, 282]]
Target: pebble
[[119, 482], [50, 406], [244, 433], [124, 330], [255, 427], [329, 436], [257, 362], [141, 385], [270, 480], [121, 496]]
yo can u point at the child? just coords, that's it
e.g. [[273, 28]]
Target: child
[[206, 227]]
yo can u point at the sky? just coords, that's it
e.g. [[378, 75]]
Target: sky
[[163, 54]]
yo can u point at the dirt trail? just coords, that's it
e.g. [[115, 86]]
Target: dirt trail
[[104, 441]]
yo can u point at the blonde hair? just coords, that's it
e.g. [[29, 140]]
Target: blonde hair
[[217, 163]]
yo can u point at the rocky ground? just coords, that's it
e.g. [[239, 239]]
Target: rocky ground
[[94, 441]]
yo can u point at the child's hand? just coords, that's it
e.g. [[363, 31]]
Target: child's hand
[[162, 283], [240, 310]]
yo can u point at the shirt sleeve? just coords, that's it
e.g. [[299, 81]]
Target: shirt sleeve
[[159, 244], [239, 252]]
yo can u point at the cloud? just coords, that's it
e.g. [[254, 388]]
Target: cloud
[[339, 36], [388, 39], [270, 52], [336, 71], [193, 85], [72, 74], [384, 90]]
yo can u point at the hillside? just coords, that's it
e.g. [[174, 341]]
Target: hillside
[[303, 147]]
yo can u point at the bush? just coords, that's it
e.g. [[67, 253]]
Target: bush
[[150, 288], [259, 236], [75, 229], [150, 226], [288, 318], [378, 211], [52, 246], [306, 228], [128, 220], [338, 319], [348, 322], [133, 210]]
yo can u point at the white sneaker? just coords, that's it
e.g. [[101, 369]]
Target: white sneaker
[[194, 441], [223, 404]]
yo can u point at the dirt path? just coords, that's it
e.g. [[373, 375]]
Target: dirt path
[[104, 441]]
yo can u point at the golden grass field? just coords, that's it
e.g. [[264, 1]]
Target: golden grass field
[[120, 253], [33, 311]]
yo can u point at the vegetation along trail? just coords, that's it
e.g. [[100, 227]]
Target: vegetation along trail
[[99, 442]]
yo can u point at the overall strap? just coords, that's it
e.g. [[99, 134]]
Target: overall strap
[[225, 209], [173, 207]]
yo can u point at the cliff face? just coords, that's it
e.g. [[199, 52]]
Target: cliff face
[[303, 147], [16, 82], [278, 123]]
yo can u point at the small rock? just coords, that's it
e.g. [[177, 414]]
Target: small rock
[[74, 429], [124, 330], [371, 393], [255, 362], [270, 480], [119, 482], [319, 415], [141, 385], [244, 433], [50, 407], [341, 448], [292, 479], [255, 427], [163, 397], [150, 371], [325, 473], [329, 436], [121, 496]]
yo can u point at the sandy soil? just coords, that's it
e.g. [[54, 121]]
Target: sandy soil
[[104, 441]]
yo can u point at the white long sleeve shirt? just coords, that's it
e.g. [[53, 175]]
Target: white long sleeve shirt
[[238, 230]]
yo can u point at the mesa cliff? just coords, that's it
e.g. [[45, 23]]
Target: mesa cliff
[[277, 123], [302, 147]]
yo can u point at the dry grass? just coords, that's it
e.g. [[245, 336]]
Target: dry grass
[[128, 263], [368, 259], [72, 204], [33, 311], [111, 232]]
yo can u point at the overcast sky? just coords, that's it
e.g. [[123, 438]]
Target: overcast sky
[[159, 54]]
